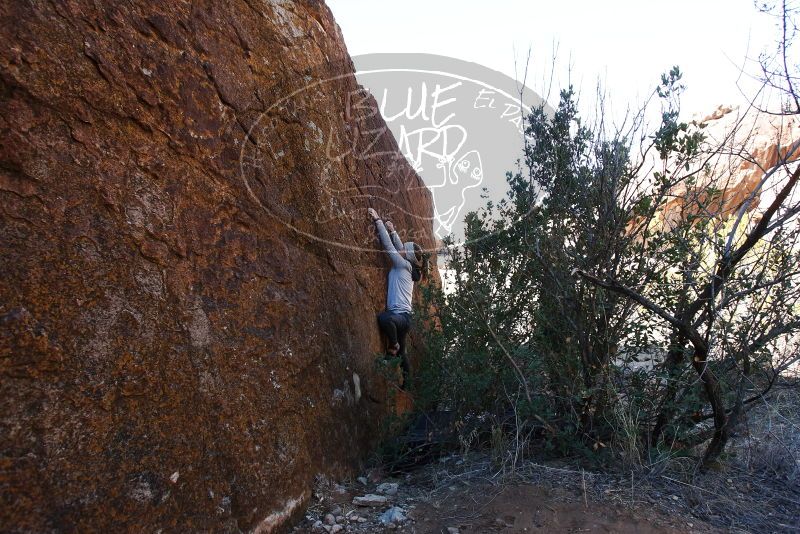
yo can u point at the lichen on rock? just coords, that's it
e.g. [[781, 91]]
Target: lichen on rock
[[189, 273]]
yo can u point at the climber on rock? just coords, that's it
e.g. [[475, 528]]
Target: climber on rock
[[407, 267]]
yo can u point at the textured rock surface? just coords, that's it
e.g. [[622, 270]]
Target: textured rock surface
[[187, 313], [751, 143]]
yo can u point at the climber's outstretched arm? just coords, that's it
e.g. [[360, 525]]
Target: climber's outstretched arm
[[386, 241], [398, 244]]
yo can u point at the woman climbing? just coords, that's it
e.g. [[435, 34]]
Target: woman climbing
[[407, 261]]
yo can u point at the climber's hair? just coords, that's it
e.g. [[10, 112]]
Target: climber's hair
[[420, 266]]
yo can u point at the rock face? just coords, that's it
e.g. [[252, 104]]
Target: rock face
[[189, 278], [750, 144]]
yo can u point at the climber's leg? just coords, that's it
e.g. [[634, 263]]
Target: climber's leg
[[389, 327], [406, 370], [403, 322], [403, 325]]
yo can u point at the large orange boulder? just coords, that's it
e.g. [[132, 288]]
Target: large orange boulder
[[189, 276]]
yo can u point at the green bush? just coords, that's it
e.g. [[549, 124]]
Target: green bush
[[562, 285]]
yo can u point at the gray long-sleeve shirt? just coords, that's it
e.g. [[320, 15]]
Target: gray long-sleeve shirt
[[401, 286]]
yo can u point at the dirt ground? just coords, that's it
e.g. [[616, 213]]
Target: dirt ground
[[526, 508], [452, 499], [756, 489]]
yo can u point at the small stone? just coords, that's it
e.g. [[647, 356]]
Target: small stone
[[369, 500], [375, 475], [675, 498], [452, 530], [336, 510], [340, 519], [317, 526], [393, 515], [174, 477], [329, 519], [336, 528], [362, 519], [363, 480], [388, 488]]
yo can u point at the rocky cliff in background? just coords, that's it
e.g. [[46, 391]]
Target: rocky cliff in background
[[190, 280], [742, 145]]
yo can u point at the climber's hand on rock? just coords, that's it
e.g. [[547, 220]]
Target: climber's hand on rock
[[373, 214], [389, 226]]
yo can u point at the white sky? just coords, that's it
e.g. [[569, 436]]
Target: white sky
[[626, 43]]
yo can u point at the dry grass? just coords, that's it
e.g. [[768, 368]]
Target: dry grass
[[755, 488]]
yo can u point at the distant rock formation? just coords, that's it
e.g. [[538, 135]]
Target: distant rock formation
[[752, 143], [189, 277]]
